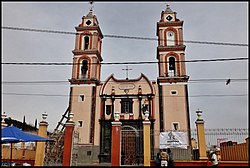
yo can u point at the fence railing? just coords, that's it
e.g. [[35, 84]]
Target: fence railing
[[216, 136], [213, 138]]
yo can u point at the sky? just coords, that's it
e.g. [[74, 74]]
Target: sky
[[223, 106]]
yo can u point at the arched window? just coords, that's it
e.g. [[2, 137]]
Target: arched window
[[171, 66], [170, 38], [84, 68], [86, 42]]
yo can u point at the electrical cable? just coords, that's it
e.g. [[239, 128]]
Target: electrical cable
[[118, 63], [119, 36]]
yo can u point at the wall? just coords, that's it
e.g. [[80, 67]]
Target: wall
[[18, 155], [234, 152], [87, 154]]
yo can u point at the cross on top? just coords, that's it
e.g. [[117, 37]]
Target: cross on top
[[91, 5], [127, 69]]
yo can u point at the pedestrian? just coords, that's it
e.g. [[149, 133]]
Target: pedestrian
[[214, 159], [158, 158], [170, 158], [164, 158]]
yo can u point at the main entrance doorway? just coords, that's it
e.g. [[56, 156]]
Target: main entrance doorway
[[131, 146]]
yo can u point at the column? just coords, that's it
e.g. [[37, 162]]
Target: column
[[201, 136], [116, 141], [140, 109], [146, 139], [149, 106], [74, 71], [103, 107], [68, 141], [113, 100], [40, 147]]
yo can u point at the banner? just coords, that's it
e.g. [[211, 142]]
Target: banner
[[173, 139]]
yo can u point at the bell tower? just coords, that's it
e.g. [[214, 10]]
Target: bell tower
[[172, 79], [87, 53], [85, 80]]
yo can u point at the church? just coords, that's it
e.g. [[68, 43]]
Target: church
[[94, 103]]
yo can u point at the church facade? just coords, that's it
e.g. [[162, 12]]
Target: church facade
[[94, 103]]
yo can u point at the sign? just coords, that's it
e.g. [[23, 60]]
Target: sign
[[173, 139], [127, 86]]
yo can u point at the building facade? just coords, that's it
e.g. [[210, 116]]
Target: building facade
[[94, 103]]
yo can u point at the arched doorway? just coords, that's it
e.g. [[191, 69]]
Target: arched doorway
[[131, 148]]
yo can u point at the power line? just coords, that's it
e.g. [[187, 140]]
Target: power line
[[55, 95], [120, 36], [216, 80], [67, 82], [195, 42], [118, 63]]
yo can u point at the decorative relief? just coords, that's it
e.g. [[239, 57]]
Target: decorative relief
[[127, 86]]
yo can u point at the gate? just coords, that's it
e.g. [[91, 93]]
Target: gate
[[131, 149]]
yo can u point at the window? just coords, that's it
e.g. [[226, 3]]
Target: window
[[126, 106], [175, 126], [108, 109], [173, 92], [84, 68], [89, 153], [80, 124], [81, 98], [171, 66], [86, 43]]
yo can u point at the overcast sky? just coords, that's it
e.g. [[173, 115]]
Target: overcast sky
[[223, 106]]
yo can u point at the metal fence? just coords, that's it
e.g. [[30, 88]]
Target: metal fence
[[216, 136], [213, 139]]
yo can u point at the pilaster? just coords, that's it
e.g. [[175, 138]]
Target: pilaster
[[68, 141], [201, 136], [116, 142], [146, 139], [40, 147]]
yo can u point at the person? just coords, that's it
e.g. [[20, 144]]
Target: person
[[170, 158], [214, 159], [158, 159], [164, 158]]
